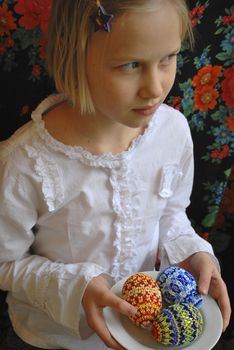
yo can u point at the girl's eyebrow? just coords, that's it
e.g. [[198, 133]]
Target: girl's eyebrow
[[176, 50], [129, 58]]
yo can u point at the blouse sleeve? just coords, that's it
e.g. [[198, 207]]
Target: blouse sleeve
[[178, 240], [53, 287]]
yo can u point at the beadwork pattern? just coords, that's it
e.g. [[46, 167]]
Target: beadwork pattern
[[143, 292], [179, 324], [139, 279], [178, 285]]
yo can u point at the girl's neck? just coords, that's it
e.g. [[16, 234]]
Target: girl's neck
[[68, 126]]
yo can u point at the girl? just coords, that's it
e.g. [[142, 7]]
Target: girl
[[100, 179]]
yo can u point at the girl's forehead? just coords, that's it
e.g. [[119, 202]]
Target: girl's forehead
[[148, 33]]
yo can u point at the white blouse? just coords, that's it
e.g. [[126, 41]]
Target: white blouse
[[67, 216]]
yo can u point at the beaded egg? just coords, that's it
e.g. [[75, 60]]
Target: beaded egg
[[141, 291], [178, 285], [178, 324]]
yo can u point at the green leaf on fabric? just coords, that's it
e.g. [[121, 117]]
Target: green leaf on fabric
[[209, 219], [27, 38]]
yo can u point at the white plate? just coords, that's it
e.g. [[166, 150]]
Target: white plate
[[136, 338]]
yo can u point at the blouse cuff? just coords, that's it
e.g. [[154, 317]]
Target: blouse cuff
[[184, 246], [62, 296]]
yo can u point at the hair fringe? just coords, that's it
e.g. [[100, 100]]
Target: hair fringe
[[70, 29]]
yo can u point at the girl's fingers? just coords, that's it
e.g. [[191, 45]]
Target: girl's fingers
[[226, 312], [97, 323], [97, 296], [205, 279], [120, 305], [108, 298], [218, 291], [211, 281], [225, 308]]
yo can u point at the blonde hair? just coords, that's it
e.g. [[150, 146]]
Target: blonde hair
[[70, 28]]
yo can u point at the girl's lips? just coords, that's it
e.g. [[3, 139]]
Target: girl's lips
[[146, 111]]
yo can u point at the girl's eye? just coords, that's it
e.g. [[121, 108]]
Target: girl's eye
[[130, 66], [168, 59]]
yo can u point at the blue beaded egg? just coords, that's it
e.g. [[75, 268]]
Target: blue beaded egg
[[178, 324], [178, 285]]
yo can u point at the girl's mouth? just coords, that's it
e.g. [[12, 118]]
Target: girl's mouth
[[146, 111]]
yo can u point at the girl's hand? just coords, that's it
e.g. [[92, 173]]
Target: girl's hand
[[97, 296], [202, 267]]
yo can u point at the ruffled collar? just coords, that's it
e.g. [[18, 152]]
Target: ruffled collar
[[77, 152]]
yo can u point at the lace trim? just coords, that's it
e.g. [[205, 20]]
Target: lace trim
[[49, 175], [127, 228], [77, 152], [40, 300], [49, 271]]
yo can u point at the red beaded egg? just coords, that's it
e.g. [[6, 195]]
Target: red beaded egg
[[141, 291]]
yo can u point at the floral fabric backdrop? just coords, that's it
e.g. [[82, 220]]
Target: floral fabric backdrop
[[204, 92]]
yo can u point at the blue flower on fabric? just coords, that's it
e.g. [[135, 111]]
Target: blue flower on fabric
[[203, 60], [228, 43], [198, 121], [223, 135]]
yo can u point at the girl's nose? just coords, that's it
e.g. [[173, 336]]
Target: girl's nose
[[151, 87]]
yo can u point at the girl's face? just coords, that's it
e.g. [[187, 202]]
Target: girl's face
[[131, 70]]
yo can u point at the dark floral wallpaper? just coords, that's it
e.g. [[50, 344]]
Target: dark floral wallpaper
[[204, 92], [24, 81]]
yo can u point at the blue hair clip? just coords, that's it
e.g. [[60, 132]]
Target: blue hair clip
[[102, 19]]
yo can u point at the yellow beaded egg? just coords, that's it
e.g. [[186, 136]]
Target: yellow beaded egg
[[141, 291], [178, 324]]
